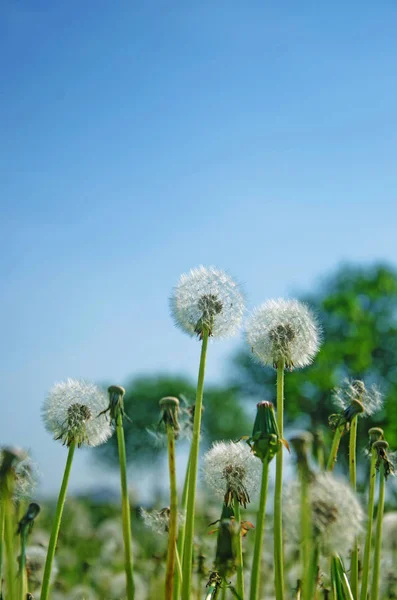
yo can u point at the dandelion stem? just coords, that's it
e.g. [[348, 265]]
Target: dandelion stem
[[125, 503], [22, 566], [2, 519], [181, 535], [335, 447], [353, 482], [378, 534], [178, 563], [45, 590], [9, 544], [368, 538], [278, 525], [173, 523], [259, 531], [239, 550], [191, 496]]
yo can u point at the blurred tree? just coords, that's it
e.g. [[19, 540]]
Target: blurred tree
[[357, 307], [142, 407]]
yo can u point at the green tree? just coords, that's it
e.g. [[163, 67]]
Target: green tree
[[223, 415], [357, 307]]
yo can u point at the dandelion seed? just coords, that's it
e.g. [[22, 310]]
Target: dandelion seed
[[207, 298], [159, 520], [232, 471], [337, 516], [71, 412], [352, 399], [284, 330]]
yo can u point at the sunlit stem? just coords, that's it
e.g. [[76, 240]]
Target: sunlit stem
[[22, 587], [335, 447], [45, 590], [278, 525], [2, 521], [173, 523], [370, 518], [353, 483], [378, 535], [125, 506], [239, 550], [9, 539], [191, 496], [181, 534], [259, 533]]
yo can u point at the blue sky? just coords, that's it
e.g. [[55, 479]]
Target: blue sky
[[141, 139]]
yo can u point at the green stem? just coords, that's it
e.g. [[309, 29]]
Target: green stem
[[181, 535], [278, 525], [22, 566], [334, 449], [239, 549], [259, 532], [368, 538], [125, 507], [9, 530], [2, 520], [191, 496], [378, 534], [173, 523], [45, 589], [353, 483]]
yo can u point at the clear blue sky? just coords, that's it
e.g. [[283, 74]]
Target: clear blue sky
[[140, 139]]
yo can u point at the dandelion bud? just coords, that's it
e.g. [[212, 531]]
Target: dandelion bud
[[232, 472], [207, 299], [26, 523], [74, 413], [336, 514], [116, 403], [265, 440], [284, 331], [170, 408]]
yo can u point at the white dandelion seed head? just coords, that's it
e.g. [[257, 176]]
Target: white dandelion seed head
[[71, 412], [231, 467], [26, 476], [210, 297], [159, 520], [284, 330], [337, 515], [35, 562], [354, 390]]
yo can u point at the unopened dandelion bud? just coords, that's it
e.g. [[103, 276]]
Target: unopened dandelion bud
[[265, 440], [26, 523], [207, 300], [284, 332], [170, 409]]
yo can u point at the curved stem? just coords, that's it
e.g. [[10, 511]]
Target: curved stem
[[181, 534], [173, 524], [259, 531], [125, 507], [353, 483], [278, 525], [45, 590], [368, 537], [334, 448], [191, 496], [378, 535], [239, 550]]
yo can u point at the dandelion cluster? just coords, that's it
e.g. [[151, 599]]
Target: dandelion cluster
[[355, 396], [284, 330]]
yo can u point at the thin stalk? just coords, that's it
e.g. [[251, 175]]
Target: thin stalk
[[178, 563], [353, 483], [370, 518], [259, 532], [278, 525], [9, 531], [334, 448], [125, 507], [378, 534], [181, 534], [22, 590], [45, 590], [191, 496], [239, 550], [173, 523], [2, 520]]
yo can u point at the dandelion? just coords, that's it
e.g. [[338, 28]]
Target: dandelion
[[207, 298], [158, 520], [207, 303], [336, 513], [232, 472], [74, 412], [284, 331], [283, 334]]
